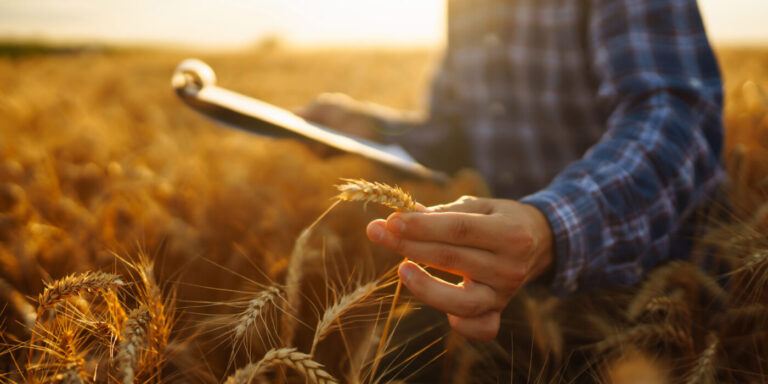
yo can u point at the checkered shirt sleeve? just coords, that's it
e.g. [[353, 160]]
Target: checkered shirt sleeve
[[613, 212]]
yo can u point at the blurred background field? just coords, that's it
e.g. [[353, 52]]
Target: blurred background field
[[100, 162], [99, 157]]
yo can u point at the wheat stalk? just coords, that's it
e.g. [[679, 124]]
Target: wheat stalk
[[75, 284], [463, 372], [676, 273], [69, 376], [289, 357], [255, 309], [395, 198], [135, 339], [646, 333], [160, 318], [66, 351], [292, 304], [115, 309], [753, 313], [375, 192], [704, 370], [23, 308], [339, 308]]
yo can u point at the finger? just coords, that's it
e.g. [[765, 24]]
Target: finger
[[312, 112], [466, 204], [337, 98], [465, 229], [474, 263], [422, 209], [480, 328], [461, 300]]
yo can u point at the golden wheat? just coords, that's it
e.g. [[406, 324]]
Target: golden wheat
[[646, 334], [343, 305], [255, 310], [19, 303], [76, 284], [160, 312], [69, 376], [675, 273], [704, 371], [292, 303], [392, 197], [375, 192], [135, 340], [66, 195], [289, 357]]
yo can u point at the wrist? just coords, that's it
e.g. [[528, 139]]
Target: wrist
[[542, 252]]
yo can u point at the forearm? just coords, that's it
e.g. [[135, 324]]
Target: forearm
[[614, 213]]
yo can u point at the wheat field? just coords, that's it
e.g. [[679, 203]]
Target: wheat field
[[142, 243]]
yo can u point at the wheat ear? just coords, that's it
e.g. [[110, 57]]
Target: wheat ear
[[66, 350], [645, 333], [704, 371], [339, 308], [76, 284], [301, 362], [676, 273], [395, 198], [256, 307], [69, 376], [135, 339], [374, 192], [292, 303]]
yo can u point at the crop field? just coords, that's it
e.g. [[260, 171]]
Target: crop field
[[141, 242]]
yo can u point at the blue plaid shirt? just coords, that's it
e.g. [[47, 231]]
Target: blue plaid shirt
[[604, 114]]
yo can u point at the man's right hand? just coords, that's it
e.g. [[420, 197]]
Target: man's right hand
[[343, 113]]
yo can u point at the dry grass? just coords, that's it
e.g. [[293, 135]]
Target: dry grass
[[223, 270]]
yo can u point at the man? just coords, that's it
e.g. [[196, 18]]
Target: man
[[597, 124]]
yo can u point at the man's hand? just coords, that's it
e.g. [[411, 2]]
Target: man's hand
[[495, 245], [341, 112]]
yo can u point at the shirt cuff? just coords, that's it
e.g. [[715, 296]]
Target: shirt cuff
[[571, 213]]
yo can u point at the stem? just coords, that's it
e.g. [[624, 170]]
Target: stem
[[385, 331]]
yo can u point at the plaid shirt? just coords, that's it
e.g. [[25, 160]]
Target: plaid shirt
[[604, 114]]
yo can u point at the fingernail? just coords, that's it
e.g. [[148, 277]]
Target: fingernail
[[375, 233], [396, 225], [405, 272]]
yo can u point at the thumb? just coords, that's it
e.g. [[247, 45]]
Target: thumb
[[302, 111], [466, 204]]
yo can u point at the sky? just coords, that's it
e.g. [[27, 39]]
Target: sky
[[231, 24]]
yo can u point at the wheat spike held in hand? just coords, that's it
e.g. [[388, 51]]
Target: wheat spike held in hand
[[392, 197], [375, 192]]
